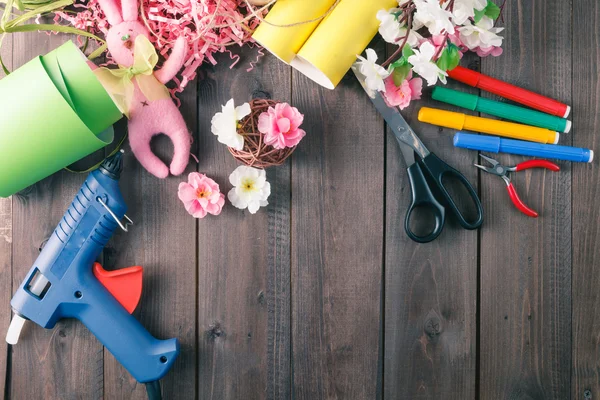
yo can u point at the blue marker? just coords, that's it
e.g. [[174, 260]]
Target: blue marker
[[494, 144]]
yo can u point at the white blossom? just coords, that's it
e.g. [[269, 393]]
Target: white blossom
[[482, 34], [250, 188], [431, 14], [423, 65], [224, 124], [392, 31], [374, 74]]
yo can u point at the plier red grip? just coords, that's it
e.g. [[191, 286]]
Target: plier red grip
[[504, 172]]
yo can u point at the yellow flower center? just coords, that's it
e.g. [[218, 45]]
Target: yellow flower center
[[202, 194], [248, 185]]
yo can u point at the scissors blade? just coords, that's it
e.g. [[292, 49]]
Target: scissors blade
[[402, 131], [408, 153]]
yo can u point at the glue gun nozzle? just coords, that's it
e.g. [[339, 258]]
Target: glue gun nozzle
[[113, 165], [14, 330]]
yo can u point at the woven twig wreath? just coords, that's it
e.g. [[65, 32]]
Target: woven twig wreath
[[255, 152]]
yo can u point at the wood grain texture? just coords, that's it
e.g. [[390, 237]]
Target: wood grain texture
[[243, 263], [586, 210], [63, 363], [337, 235], [6, 240], [278, 296], [163, 242], [526, 263], [6, 243], [431, 289]]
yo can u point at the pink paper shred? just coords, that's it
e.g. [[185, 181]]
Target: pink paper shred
[[210, 27]]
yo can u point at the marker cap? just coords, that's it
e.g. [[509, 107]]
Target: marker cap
[[490, 144], [456, 98], [465, 76], [443, 118]]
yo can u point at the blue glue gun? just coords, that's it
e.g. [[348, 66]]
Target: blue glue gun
[[64, 282]]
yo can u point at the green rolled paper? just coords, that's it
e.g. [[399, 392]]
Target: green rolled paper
[[53, 112], [502, 110]]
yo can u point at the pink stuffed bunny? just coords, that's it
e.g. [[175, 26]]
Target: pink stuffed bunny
[[148, 118]]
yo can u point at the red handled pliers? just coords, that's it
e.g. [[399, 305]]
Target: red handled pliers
[[504, 172]]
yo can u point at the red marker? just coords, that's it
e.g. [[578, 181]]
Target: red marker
[[511, 92]]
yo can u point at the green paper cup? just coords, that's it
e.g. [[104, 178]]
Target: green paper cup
[[53, 112]]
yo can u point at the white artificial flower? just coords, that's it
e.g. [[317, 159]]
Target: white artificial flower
[[431, 14], [424, 66], [482, 34], [224, 124], [250, 188], [391, 30], [462, 12], [374, 73], [465, 9], [479, 5]]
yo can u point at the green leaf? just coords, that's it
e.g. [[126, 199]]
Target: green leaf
[[96, 53], [400, 74], [6, 71], [453, 56], [407, 51], [54, 28], [479, 15], [34, 13], [398, 63], [492, 10], [443, 61]]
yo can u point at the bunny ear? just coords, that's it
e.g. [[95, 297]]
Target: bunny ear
[[111, 10], [130, 10]]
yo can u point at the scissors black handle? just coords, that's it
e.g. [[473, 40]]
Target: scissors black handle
[[438, 170], [423, 198]]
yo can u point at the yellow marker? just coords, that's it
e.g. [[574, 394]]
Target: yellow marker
[[459, 121]]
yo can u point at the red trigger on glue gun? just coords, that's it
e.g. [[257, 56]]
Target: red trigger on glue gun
[[124, 284]]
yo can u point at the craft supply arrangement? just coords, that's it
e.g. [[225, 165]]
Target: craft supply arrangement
[[76, 99]]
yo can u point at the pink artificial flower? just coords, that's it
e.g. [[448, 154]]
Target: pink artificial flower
[[280, 125], [488, 51], [409, 90], [201, 195], [440, 41]]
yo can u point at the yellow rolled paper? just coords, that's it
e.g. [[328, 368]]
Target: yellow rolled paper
[[285, 42], [332, 48]]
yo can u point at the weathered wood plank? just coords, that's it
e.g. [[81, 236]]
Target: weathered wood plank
[[62, 363], [337, 252], [243, 260], [431, 289], [586, 192], [6, 239], [163, 241], [526, 263], [279, 322]]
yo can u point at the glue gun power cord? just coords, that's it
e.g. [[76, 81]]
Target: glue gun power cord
[[153, 389]]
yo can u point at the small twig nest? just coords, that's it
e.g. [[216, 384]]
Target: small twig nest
[[255, 152]]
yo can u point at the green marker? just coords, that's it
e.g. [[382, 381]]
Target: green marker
[[502, 110]]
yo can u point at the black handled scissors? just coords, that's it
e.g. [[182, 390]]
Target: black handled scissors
[[426, 165]]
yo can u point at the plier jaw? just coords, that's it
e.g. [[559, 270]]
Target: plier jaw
[[504, 172]]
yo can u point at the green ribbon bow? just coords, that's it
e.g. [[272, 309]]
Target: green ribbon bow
[[119, 82]]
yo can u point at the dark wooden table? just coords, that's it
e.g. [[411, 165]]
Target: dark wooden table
[[321, 295]]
